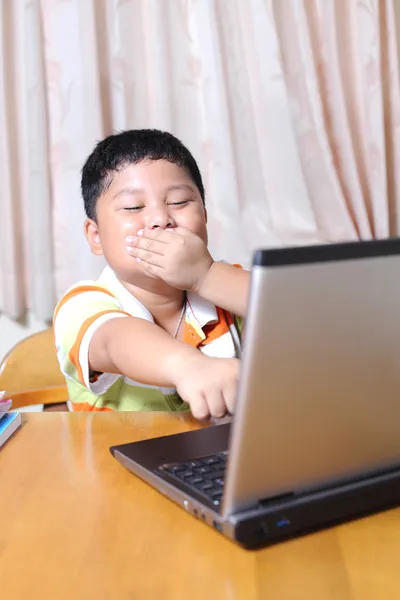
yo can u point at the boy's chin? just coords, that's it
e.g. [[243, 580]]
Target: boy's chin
[[143, 280], [150, 277]]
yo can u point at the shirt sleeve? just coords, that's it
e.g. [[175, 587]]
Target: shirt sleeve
[[77, 316], [239, 321]]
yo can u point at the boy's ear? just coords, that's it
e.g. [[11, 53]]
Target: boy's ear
[[91, 231], [205, 215]]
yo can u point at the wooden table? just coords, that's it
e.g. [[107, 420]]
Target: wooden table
[[77, 525]]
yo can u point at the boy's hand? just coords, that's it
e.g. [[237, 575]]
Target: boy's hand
[[208, 385], [179, 257]]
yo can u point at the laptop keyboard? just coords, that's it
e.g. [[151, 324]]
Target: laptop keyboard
[[204, 475]]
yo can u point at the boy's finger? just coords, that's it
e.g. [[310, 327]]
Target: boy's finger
[[150, 269], [156, 246], [199, 408], [135, 251], [159, 234], [183, 231], [230, 397], [145, 256], [216, 404]]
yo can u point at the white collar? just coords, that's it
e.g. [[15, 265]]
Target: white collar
[[203, 310]]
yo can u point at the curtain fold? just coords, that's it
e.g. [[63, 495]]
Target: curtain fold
[[291, 107]]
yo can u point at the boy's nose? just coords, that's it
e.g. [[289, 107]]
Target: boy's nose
[[160, 219], [161, 225]]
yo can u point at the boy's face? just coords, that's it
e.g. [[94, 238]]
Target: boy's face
[[149, 194]]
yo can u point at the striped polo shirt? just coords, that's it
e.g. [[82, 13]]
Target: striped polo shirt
[[86, 306]]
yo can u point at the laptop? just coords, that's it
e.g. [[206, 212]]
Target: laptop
[[315, 439]]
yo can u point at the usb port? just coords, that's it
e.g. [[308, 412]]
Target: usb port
[[217, 526]]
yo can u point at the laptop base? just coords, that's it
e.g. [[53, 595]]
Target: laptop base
[[294, 516]]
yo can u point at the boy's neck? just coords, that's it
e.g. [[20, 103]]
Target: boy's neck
[[160, 299]]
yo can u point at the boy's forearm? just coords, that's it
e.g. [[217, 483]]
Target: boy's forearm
[[138, 349], [226, 286]]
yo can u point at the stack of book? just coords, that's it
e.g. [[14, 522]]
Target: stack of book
[[9, 421]]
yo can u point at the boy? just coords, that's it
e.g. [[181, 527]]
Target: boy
[[131, 340]]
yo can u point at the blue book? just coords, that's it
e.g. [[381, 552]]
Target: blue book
[[8, 424]]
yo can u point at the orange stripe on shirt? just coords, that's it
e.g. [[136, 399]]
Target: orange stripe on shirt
[[216, 330], [79, 290], [74, 352]]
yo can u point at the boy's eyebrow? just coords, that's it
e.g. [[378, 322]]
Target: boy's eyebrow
[[171, 188], [128, 190], [180, 186]]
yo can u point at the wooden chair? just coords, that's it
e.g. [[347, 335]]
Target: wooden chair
[[30, 373]]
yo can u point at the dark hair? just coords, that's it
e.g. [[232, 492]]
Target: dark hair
[[118, 151]]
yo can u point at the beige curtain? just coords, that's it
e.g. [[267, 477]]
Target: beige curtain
[[290, 106]]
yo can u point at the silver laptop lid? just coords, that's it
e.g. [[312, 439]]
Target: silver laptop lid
[[319, 394]]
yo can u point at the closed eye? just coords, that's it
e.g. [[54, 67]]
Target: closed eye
[[136, 208], [181, 203]]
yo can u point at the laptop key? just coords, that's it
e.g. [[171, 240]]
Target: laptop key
[[175, 469], [194, 464], [203, 470], [218, 466], [213, 460], [195, 480], [184, 474], [216, 475], [205, 487]]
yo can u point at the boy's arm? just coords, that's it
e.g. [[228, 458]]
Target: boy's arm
[[226, 286], [138, 349], [146, 353]]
